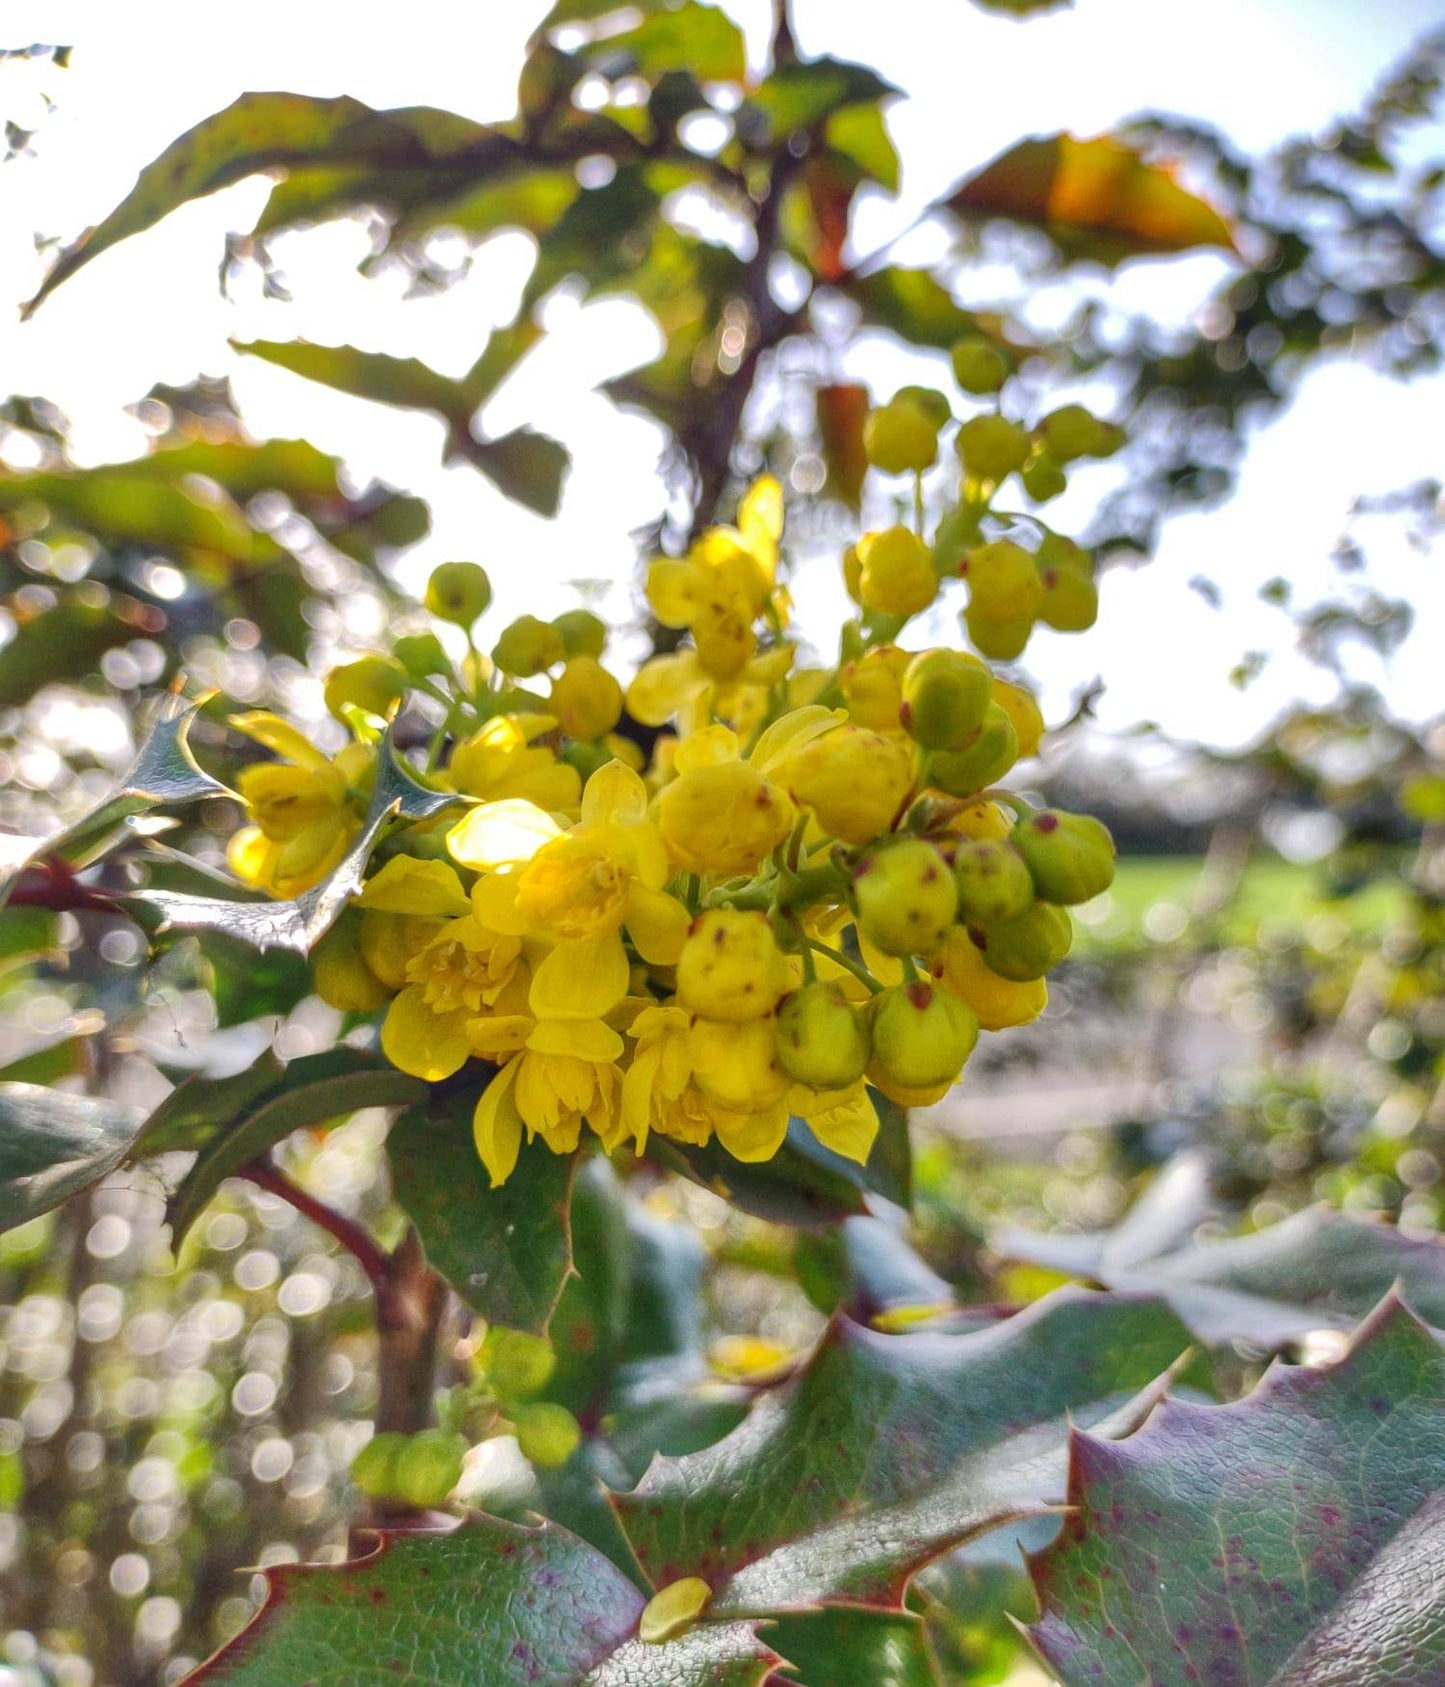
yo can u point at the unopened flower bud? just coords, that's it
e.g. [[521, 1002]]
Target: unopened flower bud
[[459, 592], [901, 438], [979, 366], [983, 761], [371, 683], [896, 575], [922, 1035], [822, 1040], [993, 881], [1070, 856], [731, 967], [528, 646], [582, 632], [1028, 945], [1003, 581], [991, 447], [945, 694], [906, 897], [586, 699]]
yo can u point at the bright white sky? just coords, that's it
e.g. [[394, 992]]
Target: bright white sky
[[149, 310]]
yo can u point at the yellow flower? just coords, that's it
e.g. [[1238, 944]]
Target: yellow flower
[[304, 811], [720, 814], [586, 699], [501, 761], [566, 1073], [997, 1002], [855, 781], [844, 1120], [658, 1093]]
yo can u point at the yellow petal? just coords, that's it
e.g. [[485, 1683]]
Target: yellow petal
[[494, 1036], [497, 1126], [406, 885], [587, 1039], [613, 792], [280, 736], [841, 1120], [760, 518], [752, 1136], [249, 855], [674, 589], [580, 980], [709, 747], [792, 731], [657, 924], [499, 833], [663, 686], [426, 1044], [494, 902]]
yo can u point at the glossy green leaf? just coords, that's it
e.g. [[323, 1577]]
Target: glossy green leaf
[[232, 1121], [507, 1252], [1317, 1269], [490, 1602], [261, 132], [797, 96], [53, 1145], [67, 641], [888, 1449], [1295, 1537], [692, 36], [803, 1184], [882, 1648]]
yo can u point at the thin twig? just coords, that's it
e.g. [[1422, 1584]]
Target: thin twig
[[373, 1260]]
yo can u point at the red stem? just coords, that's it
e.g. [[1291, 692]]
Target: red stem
[[52, 884], [374, 1261]]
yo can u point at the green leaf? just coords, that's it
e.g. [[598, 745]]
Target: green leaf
[[916, 307], [797, 96], [1095, 199], [528, 467], [882, 1648], [1294, 1537], [302, 923], [860, 134], [235, 1120], [1316, 1269], [53, 1145], [887, 1450], [261, 132], [507, 1252], [401, 381], [803, 1184], [694, 37], [601, 235], [163, 775], [490, 1602]]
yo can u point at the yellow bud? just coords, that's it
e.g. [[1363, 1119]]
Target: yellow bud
[[458, 592], [896, 575], [1028, 945], [722, 819], [991, 447], [1000, 641], [922, 1035], [731, 967], [822, 1041], [547, 1434], [855, 781], [872, 687], [586, 700], [906, 897], [342, 978], [582, 632], [1023, 710], [1044, 478], [993, 881], [372, 683], [1071, 856], [1070, 602], [736, 1065], [527, 647], [901, 438], [979, 366], [1003, 581], [998, 1002], [1072, 431]]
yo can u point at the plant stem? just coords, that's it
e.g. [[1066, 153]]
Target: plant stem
[[373, 1260]]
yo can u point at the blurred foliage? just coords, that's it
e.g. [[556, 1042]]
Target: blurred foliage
[[1270, 1010]]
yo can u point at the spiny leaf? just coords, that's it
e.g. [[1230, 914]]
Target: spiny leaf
[[164, 775], [882, 1648], [302, 923], [887, 1450], [507, 1252], [260, 132], [53, 1145], [490, 1602], [1095, 199], [1315, 1269], [1294, 1537]]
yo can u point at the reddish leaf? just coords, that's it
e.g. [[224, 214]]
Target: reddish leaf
[[842, 410]]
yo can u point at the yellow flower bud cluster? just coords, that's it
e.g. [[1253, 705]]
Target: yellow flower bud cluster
[[809, 891]]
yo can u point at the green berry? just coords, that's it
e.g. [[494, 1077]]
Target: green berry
[[906, 897], [945, 694], [548, 1434], [429, 1466], [458, 592], [822, 1039]]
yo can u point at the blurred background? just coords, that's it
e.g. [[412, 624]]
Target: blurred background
[[1256, 715]]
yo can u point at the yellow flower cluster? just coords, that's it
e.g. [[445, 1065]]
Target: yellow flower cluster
[[809, 891]]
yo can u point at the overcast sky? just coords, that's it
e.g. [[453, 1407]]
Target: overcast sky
[[150, 310]]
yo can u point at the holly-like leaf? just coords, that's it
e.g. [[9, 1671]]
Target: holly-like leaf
[[695, 37], [490, 1602], [53, 1145], [507, 1252], [1316, 1269], [840, 1644], [262, 132], [1095, 199], [164, 775], [302, 923], [886, 1450], [918, 308], [803, 1184], [1295, 1537], [802, 94], [311, 1090]]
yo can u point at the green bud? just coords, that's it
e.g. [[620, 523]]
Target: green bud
[[983, 761], [922, 1035], [548, 1434], [991, 447], [1003, 581], [929, 400], [339, 971], [429, 1466], [1072, 431], [993, 881], [527, 647], [901, 438], [1070, 601], [515, 1362], [979, 366], [371, 683], [1044, 478], [945, 696], [906, 897], [822, 1039], [1070, 856], [582, 632], [1025, 947], [373, 1470], [421, 654], [458, 592]]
